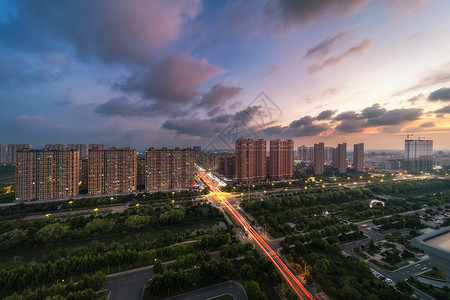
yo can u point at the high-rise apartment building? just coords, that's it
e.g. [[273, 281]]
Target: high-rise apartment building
[[84, 173], [209, 160], [342, 158], [281, 159], [197, 152], [112, 171], [96, 146], [12, 150], [2, 154], [168, 169], [46, 174], [250, 160], [141, 166], [310, 154], [328, 154], [418, 155], [335, 161], [59, 147], [302, 152], [319, 163], [227, 165], [358, 157], [80, 147]]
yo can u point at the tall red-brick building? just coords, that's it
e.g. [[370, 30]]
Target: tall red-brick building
[[168, 169], [250, 160], [281, 159], [112, 171], [47, 174]]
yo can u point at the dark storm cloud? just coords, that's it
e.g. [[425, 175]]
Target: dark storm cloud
[[375, 115], [292, 132], [110, 30], [334, 60], [307, 120], [192, 126], [219, 95], [442, 94], [324, 47], [348, 115], [290, 13], [123, 107], [396, 117], [325, 115], [207, 127], [176, 78], [374, 111], [171, 83], [444, 110], [351, 126]]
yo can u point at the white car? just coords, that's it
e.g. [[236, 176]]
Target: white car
[[388, 280]]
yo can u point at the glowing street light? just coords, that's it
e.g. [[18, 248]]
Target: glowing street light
[[137, 204], [48, 215], [96, 210]]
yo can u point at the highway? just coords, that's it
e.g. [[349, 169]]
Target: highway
[[294, 282]]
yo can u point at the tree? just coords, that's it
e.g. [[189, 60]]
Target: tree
[[158, 267], [246, 272], [226, 267], [321, 266], [51, 233], [254, 291]]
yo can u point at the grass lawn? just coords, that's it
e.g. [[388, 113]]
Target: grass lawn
[[434, 273]]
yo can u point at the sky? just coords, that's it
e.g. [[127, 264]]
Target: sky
[[168, 73]]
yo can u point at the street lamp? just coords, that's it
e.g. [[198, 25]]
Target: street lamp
[[137, 204], [112, 198], [48, 215], [96, 210], [70, 203]]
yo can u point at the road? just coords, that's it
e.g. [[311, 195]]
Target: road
[[225, 288], [130, 285], [294, 282], [396, 275]]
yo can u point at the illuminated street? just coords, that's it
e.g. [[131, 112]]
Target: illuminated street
[[294, 281]]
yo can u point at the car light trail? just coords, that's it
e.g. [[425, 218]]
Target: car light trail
[[292, 280]]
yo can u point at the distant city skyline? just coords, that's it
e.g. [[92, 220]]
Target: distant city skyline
[[179, 73]]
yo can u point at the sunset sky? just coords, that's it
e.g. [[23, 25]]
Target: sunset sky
[[169, 73]]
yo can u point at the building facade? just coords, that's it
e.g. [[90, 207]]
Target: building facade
[[227, 165], [358, 157], [112, 171], [59, 147], [3, 154], [169, 169], [418, 155], [251, 160], [47, 174], [319, 158], [281, 159], [141, 171], [340, 158], [96, 146], [80, 147], [12, 150]]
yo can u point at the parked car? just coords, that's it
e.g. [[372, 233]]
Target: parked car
[[388, 280]]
